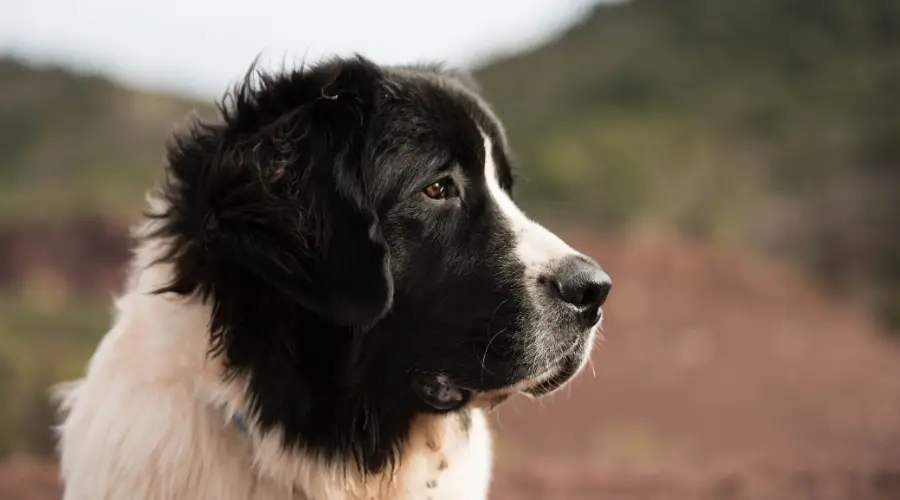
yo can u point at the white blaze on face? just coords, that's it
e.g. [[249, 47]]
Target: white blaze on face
[[538, 250], [535, 246]]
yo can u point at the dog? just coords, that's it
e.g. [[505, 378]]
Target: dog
[[330, 288]]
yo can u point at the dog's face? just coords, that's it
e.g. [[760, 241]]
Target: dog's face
[[485, 300], [354, 227]]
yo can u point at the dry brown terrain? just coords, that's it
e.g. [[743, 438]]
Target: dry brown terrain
[[85, 254], [722, 377]]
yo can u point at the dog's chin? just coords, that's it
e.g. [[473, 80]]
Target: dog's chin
[[559, 375], [441, 394], [561, 371]]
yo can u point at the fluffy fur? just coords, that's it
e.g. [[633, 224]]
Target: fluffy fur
[[339, 262]]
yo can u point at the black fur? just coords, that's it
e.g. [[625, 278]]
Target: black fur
[[334, 281]]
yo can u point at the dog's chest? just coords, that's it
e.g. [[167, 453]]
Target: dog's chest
[[448, 459]]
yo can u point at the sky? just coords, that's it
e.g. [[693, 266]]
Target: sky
[[199, 47]]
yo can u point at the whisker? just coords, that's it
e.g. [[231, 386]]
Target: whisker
[[491, 341], [486, 349]]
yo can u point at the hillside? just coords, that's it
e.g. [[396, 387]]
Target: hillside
[[78, 144], [768, 124]]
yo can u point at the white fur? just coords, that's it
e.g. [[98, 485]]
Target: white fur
[[151, 421], [536, 247]]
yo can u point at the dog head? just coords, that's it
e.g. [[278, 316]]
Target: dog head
[[354, 229]]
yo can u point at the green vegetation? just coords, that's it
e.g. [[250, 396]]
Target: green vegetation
[[769, 124], [74, 144], [41, 343]]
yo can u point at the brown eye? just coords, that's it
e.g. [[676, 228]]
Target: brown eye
[[442, 189]]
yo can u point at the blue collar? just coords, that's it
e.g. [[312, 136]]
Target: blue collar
[[240, 423]]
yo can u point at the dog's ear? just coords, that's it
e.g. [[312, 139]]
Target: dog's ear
[[276, 199]]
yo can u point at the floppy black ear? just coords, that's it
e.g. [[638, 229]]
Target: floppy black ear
[[274, 199]]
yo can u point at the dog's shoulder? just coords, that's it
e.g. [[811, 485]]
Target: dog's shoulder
[[133, 426]]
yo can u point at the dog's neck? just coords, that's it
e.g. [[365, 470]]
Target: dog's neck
[[425, 444], [436, 450]]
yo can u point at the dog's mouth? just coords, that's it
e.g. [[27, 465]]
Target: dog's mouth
[[440, 393]]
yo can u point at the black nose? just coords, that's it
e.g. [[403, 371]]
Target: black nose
[[579, 281]]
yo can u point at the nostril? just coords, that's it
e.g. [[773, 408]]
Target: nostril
[[603, 289], [591, 294], [572, 292], [581, 283], [582, 291]]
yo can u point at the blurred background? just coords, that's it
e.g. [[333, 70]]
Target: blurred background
[[733, 164]]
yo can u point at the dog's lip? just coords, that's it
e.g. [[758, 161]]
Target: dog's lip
[[559, 371]]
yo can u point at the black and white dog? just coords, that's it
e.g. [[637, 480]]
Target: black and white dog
[[331, 287]]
